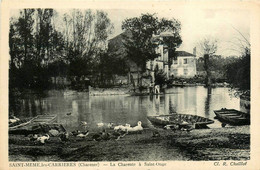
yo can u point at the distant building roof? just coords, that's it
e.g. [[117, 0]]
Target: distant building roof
[[183, 53], [166, 34]]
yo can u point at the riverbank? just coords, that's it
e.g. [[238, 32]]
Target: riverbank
[[230, 143]]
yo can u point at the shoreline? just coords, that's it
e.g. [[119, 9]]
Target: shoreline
[[230, 143]]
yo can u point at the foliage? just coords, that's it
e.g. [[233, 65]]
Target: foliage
[[208, 47], [160, 76], [238, 73], [39, 50], [218, 66], [85, 34], [140, 47]]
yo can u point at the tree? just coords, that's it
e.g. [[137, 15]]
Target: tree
[[21, 48], [23, 35], [238, 72], [140, 46], [208, 48], [39, 51], [85, 34], [160, 76]]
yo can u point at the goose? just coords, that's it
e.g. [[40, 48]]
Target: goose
[[121, 127], [13, 119], [110, 125], [105, 135], [188, 128], [156, 134], [44, 138], [83, 123], [100, 124], [119, 134], [136, 128], [83, 134], [97, 136], [75, 132], [172, 127], [33, 137], [64, 136]]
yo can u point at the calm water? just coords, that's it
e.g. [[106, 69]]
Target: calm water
[[127, 109]]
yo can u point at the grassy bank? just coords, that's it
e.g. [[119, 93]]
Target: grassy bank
[[231, 143]]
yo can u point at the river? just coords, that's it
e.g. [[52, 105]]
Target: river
[[73, 109]]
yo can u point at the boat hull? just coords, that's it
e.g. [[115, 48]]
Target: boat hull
[[232, 117], [180, 119], [40, 119]]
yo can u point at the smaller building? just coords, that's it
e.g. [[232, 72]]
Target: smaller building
[[183, 65]]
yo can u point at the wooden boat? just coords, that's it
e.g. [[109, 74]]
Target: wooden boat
[[20, 123], [232, 116], [41, 119], [69, 93], [37, 129], [180, 119], [144, 94]]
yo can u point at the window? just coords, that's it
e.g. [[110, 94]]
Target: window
[[185, 61], [185, 71], [175, 61], [175, 71]]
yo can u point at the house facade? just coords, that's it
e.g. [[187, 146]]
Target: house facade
[[174, 64], [183, 65], [180, 64]]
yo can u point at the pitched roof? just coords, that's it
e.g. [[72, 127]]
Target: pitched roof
[[166, 34], [182, 53]]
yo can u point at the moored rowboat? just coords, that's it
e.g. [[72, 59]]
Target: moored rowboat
[[41, 119], [180, 119], [232, 116]]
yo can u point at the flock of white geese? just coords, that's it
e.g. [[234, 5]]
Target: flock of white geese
[[118, 132]]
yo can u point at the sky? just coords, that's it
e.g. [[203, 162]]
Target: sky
[[198, 24]]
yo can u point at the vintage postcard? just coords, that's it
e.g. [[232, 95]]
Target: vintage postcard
[[129, 84]]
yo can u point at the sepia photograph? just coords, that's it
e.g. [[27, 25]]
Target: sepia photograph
[[129, 84]]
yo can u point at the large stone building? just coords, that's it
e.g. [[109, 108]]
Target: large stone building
[[183, 65], [179, 64]]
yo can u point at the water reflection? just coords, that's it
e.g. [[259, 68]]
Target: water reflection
[[127, 109]]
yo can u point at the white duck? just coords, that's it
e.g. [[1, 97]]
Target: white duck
[[83, 134], [33, 137], [100, 125], [105, 125], [13, 119], [172, 127], [123, 128], [136, 128], [42, 139], [84, 124], [110, 125]]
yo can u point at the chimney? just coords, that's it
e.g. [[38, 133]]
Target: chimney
[[194, 51]]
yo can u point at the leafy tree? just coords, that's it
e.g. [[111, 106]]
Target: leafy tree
[[21, 48], [85, 36], [110, 66], [160, 76], [238, 72], [208, 48], [22, 32], [140, 46]]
